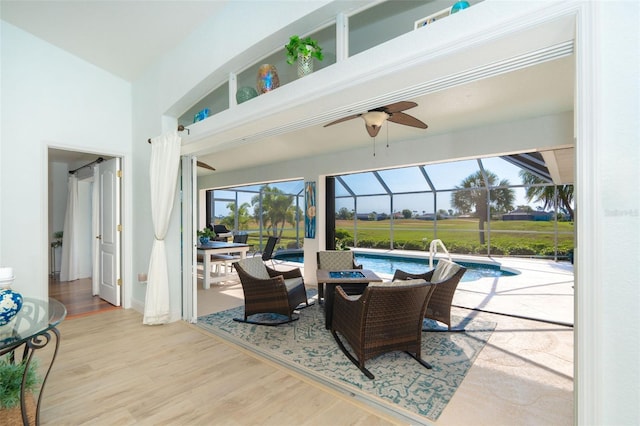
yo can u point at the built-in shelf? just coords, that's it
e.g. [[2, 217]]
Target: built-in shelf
[[365, 29]]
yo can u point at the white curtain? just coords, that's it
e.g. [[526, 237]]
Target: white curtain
[[69, 267], [163, 172], [95, 227]]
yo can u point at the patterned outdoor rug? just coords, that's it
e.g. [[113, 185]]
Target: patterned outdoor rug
[[402, 386]]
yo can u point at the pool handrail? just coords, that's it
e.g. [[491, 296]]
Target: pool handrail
[[433, 249]]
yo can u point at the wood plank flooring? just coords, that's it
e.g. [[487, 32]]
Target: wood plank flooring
[[113, 370], [77, 298]]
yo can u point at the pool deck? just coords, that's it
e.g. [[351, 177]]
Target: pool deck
[[542, 289]]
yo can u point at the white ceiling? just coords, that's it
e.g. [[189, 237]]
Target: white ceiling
[[122, 37]]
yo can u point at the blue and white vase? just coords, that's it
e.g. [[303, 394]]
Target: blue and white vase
[[10, 301]]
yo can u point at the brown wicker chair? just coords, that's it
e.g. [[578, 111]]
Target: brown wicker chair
[[269, 291], [386, 317], [446, 276], [337, 260]]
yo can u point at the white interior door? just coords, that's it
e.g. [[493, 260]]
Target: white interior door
[[109, 231]]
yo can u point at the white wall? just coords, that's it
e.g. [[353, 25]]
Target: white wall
[[615, 202], [49, 98]]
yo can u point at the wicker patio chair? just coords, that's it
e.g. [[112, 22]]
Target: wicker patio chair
[[337, 260], [446, 276], [386, 317], [269, 291]]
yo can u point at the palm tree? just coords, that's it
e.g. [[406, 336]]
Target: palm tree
[[277, 210], [547, 194], [243, 216], [472, 195]]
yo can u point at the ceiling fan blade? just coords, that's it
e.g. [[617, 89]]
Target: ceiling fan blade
[[373, 130], [398, 106], [205, 166], [406, 119], [350, 117]]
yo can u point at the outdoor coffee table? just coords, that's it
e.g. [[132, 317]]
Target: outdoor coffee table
[[346, 276]]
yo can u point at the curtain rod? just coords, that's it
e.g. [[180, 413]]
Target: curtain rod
[[180, 129], [96, 161]]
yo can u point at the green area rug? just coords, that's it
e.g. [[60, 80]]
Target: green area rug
[[402, 387]]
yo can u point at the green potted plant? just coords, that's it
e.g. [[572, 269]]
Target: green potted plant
[[303, 51], [11, 379], [57, 239], [206, 235]]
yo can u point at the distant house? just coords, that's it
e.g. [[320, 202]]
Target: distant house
[[367, 216], [528, 215], [433, 216], [427, 216]]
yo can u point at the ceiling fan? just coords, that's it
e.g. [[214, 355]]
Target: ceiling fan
[[205, 166], [374, 118]]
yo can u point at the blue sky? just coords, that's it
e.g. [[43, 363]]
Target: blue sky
[[444, 176]]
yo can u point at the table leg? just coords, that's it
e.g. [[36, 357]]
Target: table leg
[[32, 344], [206, 270], [329, 292]]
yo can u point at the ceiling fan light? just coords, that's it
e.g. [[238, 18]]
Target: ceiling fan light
[[375, 118]]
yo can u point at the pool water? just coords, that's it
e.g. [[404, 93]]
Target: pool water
[[384, 264]]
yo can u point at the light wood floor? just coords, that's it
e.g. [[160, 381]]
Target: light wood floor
[[113, 370]]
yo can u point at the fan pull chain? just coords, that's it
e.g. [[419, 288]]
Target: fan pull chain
[[374, 146], [387, 126]]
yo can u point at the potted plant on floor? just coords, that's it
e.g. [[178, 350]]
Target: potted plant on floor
[[303, 51], [11, 375]]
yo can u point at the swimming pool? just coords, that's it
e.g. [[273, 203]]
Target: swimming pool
[[387, 264]]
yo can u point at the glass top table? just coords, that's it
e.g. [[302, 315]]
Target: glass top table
[[36, 316], [30, 330]]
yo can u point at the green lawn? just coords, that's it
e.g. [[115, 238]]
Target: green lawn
[[460, 236]]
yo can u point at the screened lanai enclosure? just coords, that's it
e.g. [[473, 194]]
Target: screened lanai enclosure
[[511, 205]]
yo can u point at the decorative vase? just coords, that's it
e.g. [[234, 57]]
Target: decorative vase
[[305, 65], [245, 93], [267, 78], [204, 240], [458, 6], [201, 115], [10, 301]]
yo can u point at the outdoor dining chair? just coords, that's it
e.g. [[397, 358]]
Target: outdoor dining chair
[[386, 317], [446, 276], [269, 248], [337, 260]]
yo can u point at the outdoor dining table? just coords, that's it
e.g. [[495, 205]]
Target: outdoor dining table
[[331, 279], [214, 248]]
